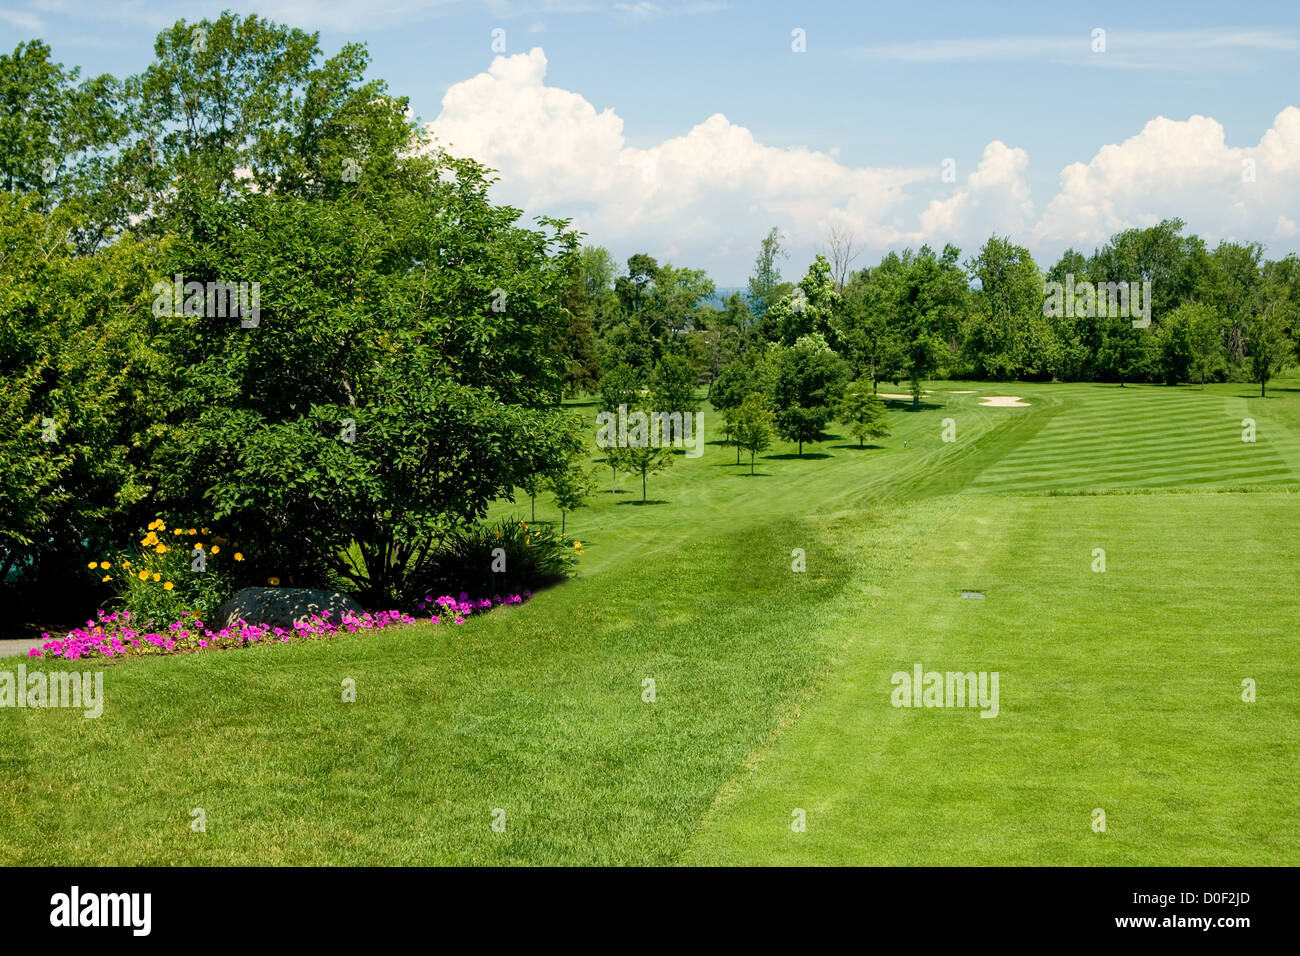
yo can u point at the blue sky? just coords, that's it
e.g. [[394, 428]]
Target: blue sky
[[609, 118]]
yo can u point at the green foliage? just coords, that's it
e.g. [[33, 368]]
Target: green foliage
[[674, 385], [752, 426], [863, 412], [808, 309], [170, 571], [1269, 345], [506, 557], [810, 380], [765, 285]]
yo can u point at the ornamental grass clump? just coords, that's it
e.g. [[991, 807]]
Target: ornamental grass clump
[[508, 556]]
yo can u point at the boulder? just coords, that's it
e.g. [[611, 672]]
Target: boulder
[[282, 607]]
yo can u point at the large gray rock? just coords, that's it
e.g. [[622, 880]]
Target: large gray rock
[[281, 607]]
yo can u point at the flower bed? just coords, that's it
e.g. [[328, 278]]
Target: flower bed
[[114, 635]]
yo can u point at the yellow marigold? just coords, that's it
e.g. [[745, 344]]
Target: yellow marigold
[[206, 531], [238, 556], [157, 576], [578, 545], [215, 549], [143, 574], [176, 530], [126, 564], [194, 531], [162, 548], [94, 564], [273, 581], [167, 586], [104, 564], [107, 577], [199, 546]]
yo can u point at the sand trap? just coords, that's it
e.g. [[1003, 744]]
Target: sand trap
[[1004, 401], [896, 395]]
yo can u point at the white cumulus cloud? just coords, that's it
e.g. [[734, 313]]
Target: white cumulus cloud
[[705, 197]]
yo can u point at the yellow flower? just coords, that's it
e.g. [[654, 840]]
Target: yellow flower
[[215, 549], [238, 556], [162, 548], [143, 574], [94, 564], [206, 531], [157, 576], [167, 586], [273, 581], [149, 540], [104, 564], [176, 530], [578, 545], [107, 577], [193, 531], [199, 546], [126, 564]]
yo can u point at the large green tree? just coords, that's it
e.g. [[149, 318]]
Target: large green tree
[[810, 380]]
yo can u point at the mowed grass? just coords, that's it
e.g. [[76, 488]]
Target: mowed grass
[[1119, 690]]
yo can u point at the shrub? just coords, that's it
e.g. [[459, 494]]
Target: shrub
[[159, 580], [530, 557]]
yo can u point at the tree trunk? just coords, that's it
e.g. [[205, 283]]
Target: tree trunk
[[751, 462], [737, 453], [800, 447], [534, 517], [643, 486], [563, 515]]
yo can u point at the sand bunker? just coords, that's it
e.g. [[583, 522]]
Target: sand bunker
[[1004, 401], [897, 395]]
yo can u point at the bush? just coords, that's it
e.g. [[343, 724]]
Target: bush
[[532, 556], [159, 580]]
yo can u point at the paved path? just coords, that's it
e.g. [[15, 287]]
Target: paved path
[[19, 646]]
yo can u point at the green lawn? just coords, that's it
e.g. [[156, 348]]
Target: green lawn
[[1119, 690]]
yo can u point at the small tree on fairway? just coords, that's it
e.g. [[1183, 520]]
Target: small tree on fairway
[[809, 383], [863, 412], [751, 425], [729, 391], [644, 452], [1269, 345], [571, 488], [647, 460]]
